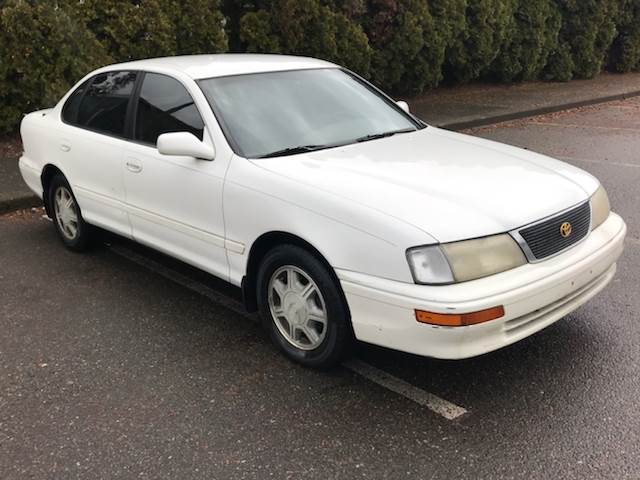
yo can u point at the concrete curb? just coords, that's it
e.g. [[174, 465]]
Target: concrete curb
[[18, 203], [507, 117]]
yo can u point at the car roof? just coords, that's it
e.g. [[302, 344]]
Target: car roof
[[220, 65]]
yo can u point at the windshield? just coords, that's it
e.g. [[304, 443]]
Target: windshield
[[283, 113]]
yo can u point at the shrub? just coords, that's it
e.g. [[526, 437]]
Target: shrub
[[352, 45], [257, 34], [488, 24], [625, 51], [588, 29], [560, 65], [449, 17], [407, 49], [525, 52], [199, 27], [43, 51], [131, 30], [306, 27], [234, 11], [134, 29]]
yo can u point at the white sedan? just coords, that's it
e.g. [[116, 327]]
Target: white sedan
[[338, 213]]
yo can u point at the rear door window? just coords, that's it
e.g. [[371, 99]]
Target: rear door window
[[103, 107]]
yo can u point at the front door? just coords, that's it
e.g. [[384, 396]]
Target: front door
[[174, 202]]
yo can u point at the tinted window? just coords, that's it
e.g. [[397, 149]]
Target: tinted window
[[104, 107], [70, 109], [165, 106]]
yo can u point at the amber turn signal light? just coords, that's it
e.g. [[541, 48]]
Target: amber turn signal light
[[459, 319]]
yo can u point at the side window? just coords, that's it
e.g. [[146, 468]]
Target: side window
[[165, 106], [104, 106], [70, 109]]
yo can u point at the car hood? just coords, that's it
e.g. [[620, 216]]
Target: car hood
[[449, 185]]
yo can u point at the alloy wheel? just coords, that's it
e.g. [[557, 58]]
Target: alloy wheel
[[66, 213], [297, 307]]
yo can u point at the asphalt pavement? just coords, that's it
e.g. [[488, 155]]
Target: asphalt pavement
[[123, 363]]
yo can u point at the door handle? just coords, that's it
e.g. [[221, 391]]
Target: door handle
[[133, 166], [65, 147]]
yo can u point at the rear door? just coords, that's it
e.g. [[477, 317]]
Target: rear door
[[174, 202], [91, 146]]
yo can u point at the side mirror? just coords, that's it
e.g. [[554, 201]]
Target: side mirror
[[403, 105], [186, 144]]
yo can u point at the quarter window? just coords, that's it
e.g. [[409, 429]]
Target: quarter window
[[165, 106], [104, 107]]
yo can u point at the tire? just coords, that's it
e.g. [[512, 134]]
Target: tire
[[67, 217], [295, 291]]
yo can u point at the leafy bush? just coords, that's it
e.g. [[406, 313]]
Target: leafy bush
[[588, 29], [199, 27], [306, 27], [131, 30], [407, 49], [488, 24], [625, 51], [234, 11], [560, 66], [449, 17], [134, 29], [525, 52], [352, 45], [257, 33], [43, 51]]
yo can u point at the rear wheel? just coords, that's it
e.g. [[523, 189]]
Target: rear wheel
[[302, 307], [67, 218]]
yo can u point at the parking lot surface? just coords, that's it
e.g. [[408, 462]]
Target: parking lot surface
[[123, 363]]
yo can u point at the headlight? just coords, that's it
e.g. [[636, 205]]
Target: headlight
[[600, 207], [478, 258], [466, 260]]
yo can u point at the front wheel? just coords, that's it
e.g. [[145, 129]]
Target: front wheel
[[303, 308], [67, 218]]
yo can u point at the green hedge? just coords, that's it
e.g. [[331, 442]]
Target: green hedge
[[43, 50], [624, 55], [404, 46], [525, 52], [305, 27]]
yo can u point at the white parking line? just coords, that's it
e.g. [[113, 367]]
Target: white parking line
[[442, 407], [434, 403]]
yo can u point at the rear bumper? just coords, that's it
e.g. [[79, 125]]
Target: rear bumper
[[31, 175], [534, 296]]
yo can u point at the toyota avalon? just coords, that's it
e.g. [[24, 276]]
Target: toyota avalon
[[338, 213]]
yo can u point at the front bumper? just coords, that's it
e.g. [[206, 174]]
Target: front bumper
[[534, 296]]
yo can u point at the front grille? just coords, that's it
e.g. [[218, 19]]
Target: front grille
[[544, 239]]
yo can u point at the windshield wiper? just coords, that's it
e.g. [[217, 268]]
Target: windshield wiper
[[375, 136], [293, 150], [312, 148]]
